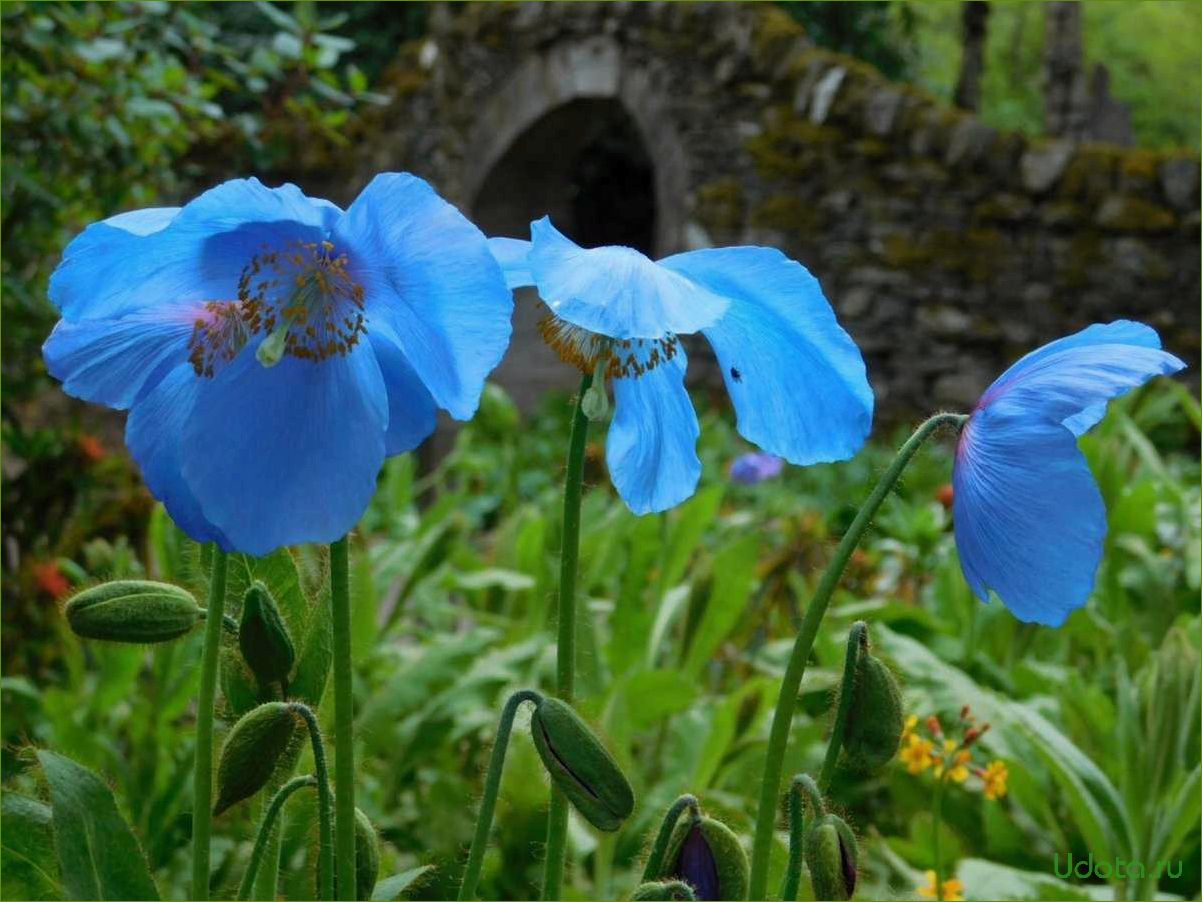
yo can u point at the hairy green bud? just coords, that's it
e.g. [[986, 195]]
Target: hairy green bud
[[367, 856], [832, 855], [876, 717], [675, 890], [133, 610], [707, 855], [580, 765], [252, 751], [263, 637]]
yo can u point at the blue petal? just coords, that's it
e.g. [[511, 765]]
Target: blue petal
[[112, 362], [431, 285], [153, 433], [1030, 521], [652, 444], [289, 454], [412, 413], [511, 254], [795, 376], [1121, 333], [150, 258], [616, 291]]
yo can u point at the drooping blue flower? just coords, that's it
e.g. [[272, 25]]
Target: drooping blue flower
[[756, 467], [272, 349], [796, 379], [1029, 519]]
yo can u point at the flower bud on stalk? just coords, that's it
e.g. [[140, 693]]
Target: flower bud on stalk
[[263, 637], [580, 765], [875, 720], [707, 855], [133, 610], [252, 751], [831, 853]]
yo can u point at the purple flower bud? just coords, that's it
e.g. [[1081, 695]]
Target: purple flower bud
[[749, 469]]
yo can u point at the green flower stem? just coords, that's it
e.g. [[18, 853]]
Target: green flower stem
[[857, 644], [802, 787], [344, 724], [202, 774], [325, 850], [782, 719], [557, 817], [936, 818], [269, 867], [266, 830], [659, 848], [492, 784]]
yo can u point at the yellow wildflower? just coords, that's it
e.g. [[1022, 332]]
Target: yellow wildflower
[[994, 777], [958, 769], [911, 723], [918, 754], [953, 889]]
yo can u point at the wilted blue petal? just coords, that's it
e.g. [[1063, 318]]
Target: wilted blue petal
[[112, 362], [431, 283], [289, 454], [616, 291], [511, 254], [651, 449], [796, 378], [153, 433]]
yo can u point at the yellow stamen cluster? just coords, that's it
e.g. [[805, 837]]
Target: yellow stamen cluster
[[305, 289], [583, 349]]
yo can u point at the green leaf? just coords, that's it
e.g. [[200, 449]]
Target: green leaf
[[98, 855], [989, 880], [734, 576], [693, 519], [28, 868], [492, 578], [391, 888], [653, 695]]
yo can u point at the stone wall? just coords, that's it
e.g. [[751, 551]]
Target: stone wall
[[947, 247]]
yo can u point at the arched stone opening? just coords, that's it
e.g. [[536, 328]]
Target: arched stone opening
[[584, 164]]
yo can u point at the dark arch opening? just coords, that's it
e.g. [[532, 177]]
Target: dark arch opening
[[585, 165]]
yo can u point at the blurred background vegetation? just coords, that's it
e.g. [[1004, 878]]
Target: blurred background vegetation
[[108, 107]]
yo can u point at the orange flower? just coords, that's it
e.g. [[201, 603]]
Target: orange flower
[[50, 579], [994, 777], [953, 889]]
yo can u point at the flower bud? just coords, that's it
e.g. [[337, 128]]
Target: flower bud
[[580, 765], [676, 890], [133, 610], [252, 751], [367, 856], [707, 855], [263, 637], [875, 720], [831, 854]]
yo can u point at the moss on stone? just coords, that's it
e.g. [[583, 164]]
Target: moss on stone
[[788, 213], [1084, 256], [720, 204], [1003, 207], [1132, 214], [789, 148]]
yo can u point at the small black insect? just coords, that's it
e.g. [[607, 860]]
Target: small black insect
[[736, 375]]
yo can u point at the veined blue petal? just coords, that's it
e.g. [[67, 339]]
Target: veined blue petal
[[616, 291], [153, 432], [511, 254], [1119, 335], [795, 377], [412, 413], [112, 362], [431, 282], [289, 454], [652, 446], [1029, 519], [151, 258]]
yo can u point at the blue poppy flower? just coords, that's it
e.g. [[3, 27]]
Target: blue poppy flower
[[795, 377], [756, 467], [272, 349], [1029, 519]]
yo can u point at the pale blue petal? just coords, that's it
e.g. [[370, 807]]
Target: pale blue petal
[[616, 291], [795, 377], [652, 446], [289, 454], [153, 433], [1029, 519], [150, 258], [431, 283], [511, 254], [412, 413], [112, 362]]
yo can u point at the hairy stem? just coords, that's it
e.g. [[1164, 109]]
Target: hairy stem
[[325, 849], [936, 850], [857, 644], [801, 784], [344, 724], [659, 848], [782, 718], [266, 829], [202, 774]]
